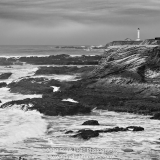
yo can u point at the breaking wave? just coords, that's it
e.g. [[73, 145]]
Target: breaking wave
[[17, 125]]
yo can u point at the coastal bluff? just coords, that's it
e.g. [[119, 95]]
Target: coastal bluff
[[129, 42], [127, 79]]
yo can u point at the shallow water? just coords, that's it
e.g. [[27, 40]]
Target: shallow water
[[34, 136], [38, 137]]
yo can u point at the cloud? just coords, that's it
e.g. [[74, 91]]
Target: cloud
[[22, 19], [85, 11]]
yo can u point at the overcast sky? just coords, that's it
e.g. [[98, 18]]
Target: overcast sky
[[67, 22]]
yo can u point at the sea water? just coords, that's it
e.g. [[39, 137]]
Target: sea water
[[34, 136], [42, 50]]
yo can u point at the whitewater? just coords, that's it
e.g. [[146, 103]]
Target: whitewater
[[34, 136]]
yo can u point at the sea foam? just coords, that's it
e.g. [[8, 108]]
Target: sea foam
[[17, 125]]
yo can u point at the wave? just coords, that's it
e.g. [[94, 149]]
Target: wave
[[17, 125], [6, 95], [17, 57]]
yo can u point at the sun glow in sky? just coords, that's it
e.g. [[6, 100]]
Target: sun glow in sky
[[77, 22]]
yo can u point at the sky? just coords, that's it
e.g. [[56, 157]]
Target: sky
[[77, 22]]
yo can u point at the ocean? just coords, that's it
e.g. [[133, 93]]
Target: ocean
[[34, 136], [43, 50]]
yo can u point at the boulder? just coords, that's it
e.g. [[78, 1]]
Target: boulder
[[68, 132], [86, 134], [91, 122], [128, 150], [5, 75], [156, 116], [3, 84], [135, 128]]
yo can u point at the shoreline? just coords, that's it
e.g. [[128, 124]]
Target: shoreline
[[117, 84]]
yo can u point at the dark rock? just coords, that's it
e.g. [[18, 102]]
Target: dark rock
[[64, 70], [116, 129], [30, 86], [21, 158], [156, 116], [37, 86], [68, 132], [3, 84], [86, 134], [91, 122], [128, 150], [62, 59], [141, 72], [117, 83], [50, 106], [6, 61], [135, 128], [5, 75]]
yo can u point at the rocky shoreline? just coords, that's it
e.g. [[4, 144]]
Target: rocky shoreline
[[64, 70], [126, 80], [62, 59], [86, 134]]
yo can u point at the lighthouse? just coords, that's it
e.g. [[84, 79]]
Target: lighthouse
[[138, 34]]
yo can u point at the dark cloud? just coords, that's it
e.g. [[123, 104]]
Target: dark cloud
[[56, 16], [86, 11]]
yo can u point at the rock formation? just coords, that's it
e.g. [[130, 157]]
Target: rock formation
[[127, 79], [88, 133], [5, 75]]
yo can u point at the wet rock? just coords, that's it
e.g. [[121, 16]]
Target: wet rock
[[155, 158], [37, 86], [63, 70], [5, 75], [68, 132], [135, 128], [31, 86], [6, 61], [21, 158], [86, 134], [128, 150], [156, 116], [62, 59], [91, 122], [115, 129], [49, 106], [3, 84]]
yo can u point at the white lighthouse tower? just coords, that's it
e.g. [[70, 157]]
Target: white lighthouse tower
[[138, 35]]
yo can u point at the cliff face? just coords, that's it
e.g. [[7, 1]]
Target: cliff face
[[127, 79], [131, 42], [128, 61], [120, 43], [151, 42]]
